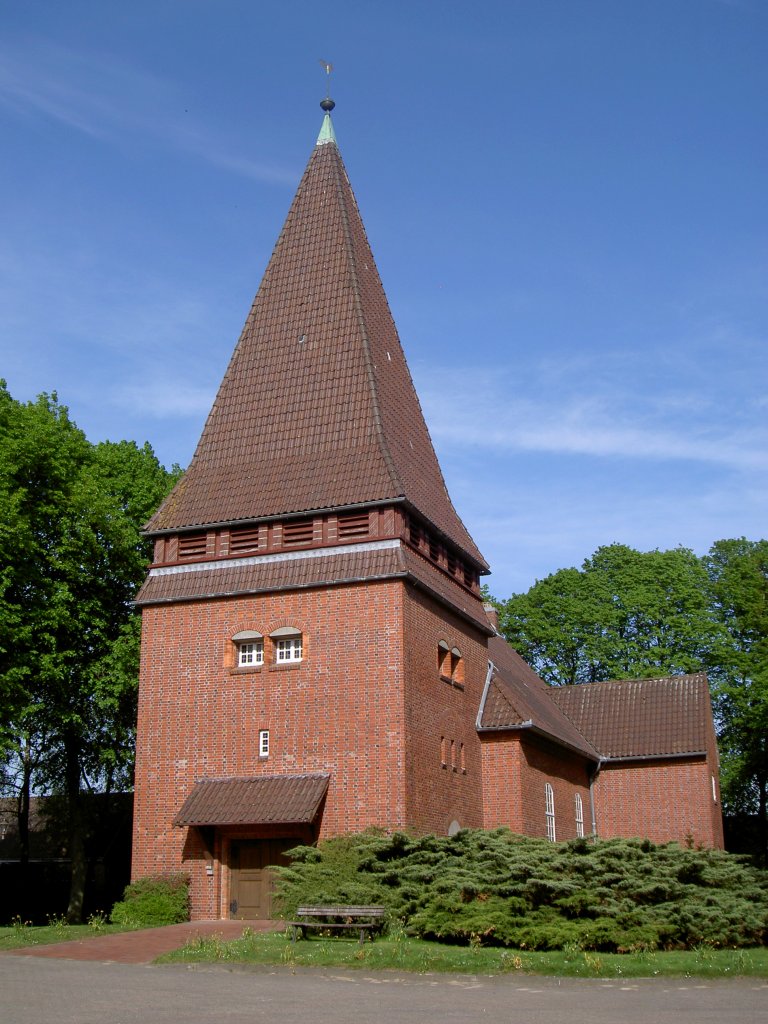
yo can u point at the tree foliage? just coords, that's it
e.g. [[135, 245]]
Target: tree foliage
[[71, 557], [738, 667], [624, 614], [497, 888]]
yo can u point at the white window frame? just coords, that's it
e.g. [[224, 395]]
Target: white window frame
[[288, 649], [579, 815], [549, 804], [250, 653], [264, 743]]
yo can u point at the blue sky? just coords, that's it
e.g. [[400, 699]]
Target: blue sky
[[566, 200]]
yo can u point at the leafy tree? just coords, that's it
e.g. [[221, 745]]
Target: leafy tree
[[738, 574], [71, 557], [624, 614]]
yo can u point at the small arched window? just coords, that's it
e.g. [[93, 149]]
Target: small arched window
[[249, 646], [288, 644], [549, 799]]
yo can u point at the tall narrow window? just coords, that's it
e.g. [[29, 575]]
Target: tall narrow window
[[579, 815], [549, 797], [264, 743], [443, 753]]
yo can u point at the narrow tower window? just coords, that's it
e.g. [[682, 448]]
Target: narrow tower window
[[264, 743]]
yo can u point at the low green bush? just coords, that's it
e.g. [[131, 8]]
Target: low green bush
[[497, 888], [153, 901]]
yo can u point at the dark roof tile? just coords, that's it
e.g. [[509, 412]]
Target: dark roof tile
[[317, 408], [669, 716], [263, 800]]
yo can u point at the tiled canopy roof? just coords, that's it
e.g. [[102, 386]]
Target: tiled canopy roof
[[264, 800], [516, 698], [317, 408], [631, 718]]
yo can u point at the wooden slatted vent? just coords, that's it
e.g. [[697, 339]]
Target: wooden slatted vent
[[192, 545], [355, 524], [243, 539], [300, 531]]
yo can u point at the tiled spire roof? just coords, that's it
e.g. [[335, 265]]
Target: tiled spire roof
[[317, 409]]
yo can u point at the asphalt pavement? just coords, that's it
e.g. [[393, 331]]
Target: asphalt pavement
[[35, 990]]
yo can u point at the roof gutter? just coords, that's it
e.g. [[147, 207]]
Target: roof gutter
[[653, 757]]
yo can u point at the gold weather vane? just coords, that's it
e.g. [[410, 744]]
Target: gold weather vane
[[328, 68]]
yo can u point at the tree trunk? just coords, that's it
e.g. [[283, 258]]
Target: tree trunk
[[22, 804], [76, 833], [762, 821]]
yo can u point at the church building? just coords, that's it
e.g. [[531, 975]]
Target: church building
[[316, 656]]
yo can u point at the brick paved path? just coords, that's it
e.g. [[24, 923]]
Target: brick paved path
[[142, 947]]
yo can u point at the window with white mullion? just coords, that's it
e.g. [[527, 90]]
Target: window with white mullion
[[550, 812], [289, 649], [250, 653], [579, 815]]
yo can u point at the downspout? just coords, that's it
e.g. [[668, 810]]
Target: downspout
[[592, 780]]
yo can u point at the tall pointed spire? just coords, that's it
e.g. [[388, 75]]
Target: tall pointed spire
[[317, 409]]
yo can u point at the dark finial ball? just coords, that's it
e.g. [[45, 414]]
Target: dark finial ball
[[327, 104]]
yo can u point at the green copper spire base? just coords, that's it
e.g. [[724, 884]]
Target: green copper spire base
[[327, 133]]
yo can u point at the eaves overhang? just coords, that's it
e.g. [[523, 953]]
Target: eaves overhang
[[530, 726]]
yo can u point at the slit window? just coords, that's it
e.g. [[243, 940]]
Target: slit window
[[264, 743]]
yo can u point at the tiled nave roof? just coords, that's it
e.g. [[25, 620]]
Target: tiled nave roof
[[633, 718], [622, 719]]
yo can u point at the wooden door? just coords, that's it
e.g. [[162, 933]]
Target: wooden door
[[251, 881]]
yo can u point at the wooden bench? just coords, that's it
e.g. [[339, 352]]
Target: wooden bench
[[359, 919]]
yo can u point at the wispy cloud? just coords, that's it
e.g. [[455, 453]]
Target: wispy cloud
[[108, 99], [595, 409]]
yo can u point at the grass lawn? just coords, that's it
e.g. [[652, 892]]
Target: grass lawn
[[404, 954], [20, 934]]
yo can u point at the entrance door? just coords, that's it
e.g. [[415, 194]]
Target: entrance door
[[251, 881]]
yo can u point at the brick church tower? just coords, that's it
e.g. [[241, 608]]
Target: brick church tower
[[314, 646]]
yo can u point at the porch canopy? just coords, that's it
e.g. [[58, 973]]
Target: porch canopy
[[263, 800]]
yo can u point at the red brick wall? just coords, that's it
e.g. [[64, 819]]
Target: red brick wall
[[435, 709], [340, 710], [516, 768], [659, 800]]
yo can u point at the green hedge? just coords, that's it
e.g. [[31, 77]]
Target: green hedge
[[153, 901], [497, 888]]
